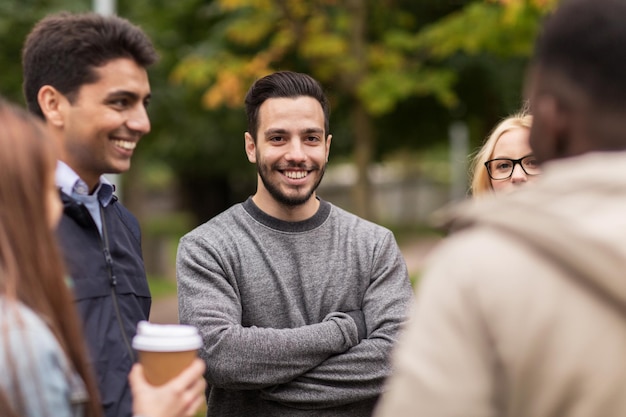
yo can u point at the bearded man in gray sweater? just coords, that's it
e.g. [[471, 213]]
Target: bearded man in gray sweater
[[298, 301]]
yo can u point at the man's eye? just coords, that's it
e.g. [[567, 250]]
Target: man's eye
[[120, 102], [312, 139]]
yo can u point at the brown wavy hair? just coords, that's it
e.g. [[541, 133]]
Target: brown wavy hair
[[31, 269]]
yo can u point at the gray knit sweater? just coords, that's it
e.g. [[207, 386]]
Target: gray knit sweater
[[275, 303]]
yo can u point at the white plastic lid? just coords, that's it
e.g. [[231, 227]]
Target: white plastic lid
[[153, 337]]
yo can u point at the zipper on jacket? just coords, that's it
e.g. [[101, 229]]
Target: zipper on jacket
[[113, 280]]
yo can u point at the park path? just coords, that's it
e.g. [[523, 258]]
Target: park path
[[165, 309]]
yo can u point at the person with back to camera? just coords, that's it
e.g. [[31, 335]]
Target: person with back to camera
[[298, 301], [85, 75], [45, 370], [521, 312], [505, 160]]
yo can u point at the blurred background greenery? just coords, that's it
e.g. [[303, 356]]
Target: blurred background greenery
[[400, 75]]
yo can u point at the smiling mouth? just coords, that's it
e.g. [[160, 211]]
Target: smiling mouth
[[125, 144], [296, 175]]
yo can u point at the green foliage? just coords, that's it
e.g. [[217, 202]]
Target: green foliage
[[16, 19], [414, 65], [172, 225], [410, 49], [482, 27], [185, 136], [318, 37], [381, 91]]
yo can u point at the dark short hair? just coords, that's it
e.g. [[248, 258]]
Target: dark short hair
[[283, 84], [586, 41], [62, 50]]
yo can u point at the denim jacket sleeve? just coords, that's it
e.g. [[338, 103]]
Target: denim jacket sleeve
[[36, 368]]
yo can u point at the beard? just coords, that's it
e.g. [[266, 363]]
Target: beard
[[274, 189]]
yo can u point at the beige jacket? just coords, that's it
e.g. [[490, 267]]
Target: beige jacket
[[522, 312]]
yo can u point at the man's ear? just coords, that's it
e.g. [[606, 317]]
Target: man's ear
[[52, 104], [329, 138], [250, 147], [556, 121]]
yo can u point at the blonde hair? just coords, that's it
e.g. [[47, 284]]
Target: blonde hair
[[481, 183]]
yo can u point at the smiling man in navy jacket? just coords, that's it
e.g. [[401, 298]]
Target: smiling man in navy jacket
[[85, 75]]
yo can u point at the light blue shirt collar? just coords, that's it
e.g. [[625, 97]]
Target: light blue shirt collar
[[71, 184]]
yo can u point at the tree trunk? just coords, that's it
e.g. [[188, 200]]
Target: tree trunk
[[363, 150], [130, 190], [205, 197], [364, 137]]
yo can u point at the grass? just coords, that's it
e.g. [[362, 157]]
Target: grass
[[161, 287], [406, 233]]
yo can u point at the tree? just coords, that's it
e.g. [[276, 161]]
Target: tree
[[203, 148], [355, 48], [372, 55], [17, 17], [397, 72]]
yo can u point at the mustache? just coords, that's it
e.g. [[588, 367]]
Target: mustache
[[125, 132], [305, 167]]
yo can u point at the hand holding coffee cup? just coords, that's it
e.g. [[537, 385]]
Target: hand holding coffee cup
[[182, 396], [165, 350]]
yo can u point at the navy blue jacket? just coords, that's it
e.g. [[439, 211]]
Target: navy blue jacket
[[111, 292]]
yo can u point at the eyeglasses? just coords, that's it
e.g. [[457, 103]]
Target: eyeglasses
[[502, 168]]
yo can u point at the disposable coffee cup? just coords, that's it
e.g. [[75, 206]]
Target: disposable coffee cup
[[165, 350]]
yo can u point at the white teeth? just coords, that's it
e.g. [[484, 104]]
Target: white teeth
[[295, 175], [125, 144]]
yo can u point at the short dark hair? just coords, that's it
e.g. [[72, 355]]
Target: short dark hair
[[62, 50], [283, 84], [586, 41]]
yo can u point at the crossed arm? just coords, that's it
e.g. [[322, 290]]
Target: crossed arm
[[318, 365]]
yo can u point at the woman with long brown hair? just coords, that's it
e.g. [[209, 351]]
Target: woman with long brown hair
[[45, 370]]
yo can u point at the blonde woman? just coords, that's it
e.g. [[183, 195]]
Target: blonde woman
[[506, 160]]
